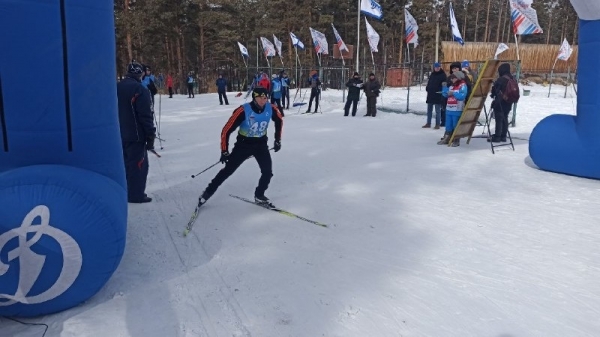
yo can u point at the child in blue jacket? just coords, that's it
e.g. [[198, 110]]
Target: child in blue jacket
[[457, 95]]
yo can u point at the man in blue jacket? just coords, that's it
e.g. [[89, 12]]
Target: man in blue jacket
[[137, 131], [222, 89]]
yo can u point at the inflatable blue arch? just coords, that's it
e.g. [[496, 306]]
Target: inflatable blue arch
[[63, 199], [571, 144]]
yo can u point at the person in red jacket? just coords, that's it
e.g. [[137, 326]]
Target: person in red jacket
[[265, 82], [170, 85]]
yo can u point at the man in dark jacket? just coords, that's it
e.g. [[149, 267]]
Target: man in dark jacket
[[137, 131], [354, 85], [222, 89], [315, 91], [501, 107], [434, 95], [371, 88]]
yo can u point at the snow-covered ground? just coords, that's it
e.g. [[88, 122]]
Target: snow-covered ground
[[424, 240]]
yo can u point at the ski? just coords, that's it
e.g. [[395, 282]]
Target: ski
[[155, 153], [272, 207], [190, 224]]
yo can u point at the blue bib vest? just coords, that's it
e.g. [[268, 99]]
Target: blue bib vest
[[255, 125]]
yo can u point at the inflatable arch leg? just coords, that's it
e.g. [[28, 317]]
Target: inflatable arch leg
[[568, 144], [63, 199]]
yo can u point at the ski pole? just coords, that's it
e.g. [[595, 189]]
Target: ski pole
[[206, 169]]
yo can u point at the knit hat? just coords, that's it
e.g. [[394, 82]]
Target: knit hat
[[356, 74], [135, 68], [259, 92], [459, 74], [371, 74], [455, 65], [436, 65], [465, 64]]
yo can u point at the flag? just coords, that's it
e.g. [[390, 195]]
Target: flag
[[268, 47], [565, 51], [296, 41], [524, 18], [277, 45], [455, 32], [371, 8], [411, 28], [372, 36], [243, 50], [501, 48], [339, 41], [319, 41]]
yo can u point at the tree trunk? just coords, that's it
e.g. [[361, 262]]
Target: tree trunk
[[201, 25], [179, 65], [549, 30], [476, 24], [499, 23], [487, 22]]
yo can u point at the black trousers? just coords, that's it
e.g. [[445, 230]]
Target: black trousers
[[241, 151], [285, 97], [371, 106], [190, 90], [223, 95], [136, 169], [354, 103], [501, 112], [170, 92], [314, 94]]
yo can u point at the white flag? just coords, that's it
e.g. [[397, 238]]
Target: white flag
[[296, 41], [319, 41], [277, 45], [501, 48], [455, 32], [268, 47], [411, 28], [243, 50], [371, 8], [565, 51], [372, 36]]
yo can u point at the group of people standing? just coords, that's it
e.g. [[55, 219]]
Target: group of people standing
[[448, 94], [371, 89]]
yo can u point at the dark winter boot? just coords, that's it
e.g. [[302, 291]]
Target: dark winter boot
[[445, 139], [455, 142], [263, 201]]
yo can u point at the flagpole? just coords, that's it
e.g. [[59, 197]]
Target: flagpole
[[517, 44], [551, 75], [256, 55], [358, 36]]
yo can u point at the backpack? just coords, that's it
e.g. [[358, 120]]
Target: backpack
[[511, 92]]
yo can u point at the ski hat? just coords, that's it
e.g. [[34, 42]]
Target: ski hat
[[274, 76], [371, 74], [459, 74], [146, 68], [465, 64], [455, 65], [437, 65], [259, 92], [135, 68], [356, 74]]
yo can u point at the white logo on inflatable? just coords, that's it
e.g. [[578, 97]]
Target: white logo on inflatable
[[31, 264]]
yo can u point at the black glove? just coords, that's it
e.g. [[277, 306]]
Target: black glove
[[150, 142], [277, 145], [224, 157]]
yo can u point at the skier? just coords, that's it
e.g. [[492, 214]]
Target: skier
[[276, 93], [253, 122], [315, 91]]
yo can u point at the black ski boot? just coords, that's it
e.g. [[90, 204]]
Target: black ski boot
[[263, 201]]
